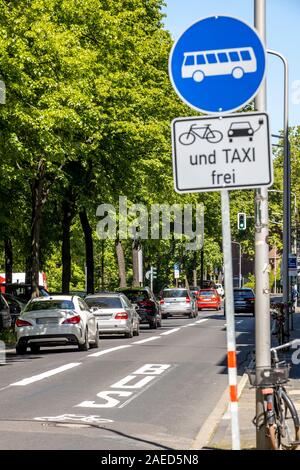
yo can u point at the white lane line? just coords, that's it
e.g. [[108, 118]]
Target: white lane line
[[106, 351], [169, 332], [44, 375], [201, 321], [146, 340]]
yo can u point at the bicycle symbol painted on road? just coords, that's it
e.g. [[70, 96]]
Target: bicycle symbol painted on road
[[211, 135], [67, 418]]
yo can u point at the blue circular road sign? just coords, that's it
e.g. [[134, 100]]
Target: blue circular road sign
[[218, 64]]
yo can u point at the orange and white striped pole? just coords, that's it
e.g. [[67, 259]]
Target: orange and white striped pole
[[231, 345]]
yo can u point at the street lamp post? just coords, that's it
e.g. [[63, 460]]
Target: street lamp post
[[286, 192], [240, 263]]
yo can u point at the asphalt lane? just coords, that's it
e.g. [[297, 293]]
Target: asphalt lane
[[149, 392]]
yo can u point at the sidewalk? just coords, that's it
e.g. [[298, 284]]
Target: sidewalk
[[221, 436]]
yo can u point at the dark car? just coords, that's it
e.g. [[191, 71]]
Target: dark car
[[244, 300], [15, 307], [146, 304], [21, 291], [5, 317], [194, 290]]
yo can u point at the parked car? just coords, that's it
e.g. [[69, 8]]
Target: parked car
[[220, 289], [178, 301], [209, 298], [114, 313], [15, 307], [244, 300], [207, 284], [5, 316], [146, 304], [21, 291], [56, 321]]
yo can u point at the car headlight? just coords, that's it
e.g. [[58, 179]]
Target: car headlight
[[230, 132]]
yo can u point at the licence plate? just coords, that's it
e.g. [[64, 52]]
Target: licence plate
[[47, 321]]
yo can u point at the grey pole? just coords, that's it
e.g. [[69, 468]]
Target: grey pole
[[240, 263], [230, 325], [262, 304], [286, 236]]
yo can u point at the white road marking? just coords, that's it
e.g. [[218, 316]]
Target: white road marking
[[151, 373], [92, 419], [170, 331], [146, 340], [106, 351], [201, 321], [189, 324], [44, 375]]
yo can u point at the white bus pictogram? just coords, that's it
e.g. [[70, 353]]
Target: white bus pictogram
[[235, 62]]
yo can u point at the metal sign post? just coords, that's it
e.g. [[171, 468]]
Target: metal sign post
[[262, 302], [231, 347]]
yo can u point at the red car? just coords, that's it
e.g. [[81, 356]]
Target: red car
[[209, 298]]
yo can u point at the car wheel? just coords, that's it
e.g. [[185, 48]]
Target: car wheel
[[35, 349], [137, 331], [153, 325], [96, 343], [85, 346], [21, 349], [129, 334]]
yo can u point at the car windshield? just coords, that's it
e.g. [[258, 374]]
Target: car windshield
[[245, 294], [206, 293], [136, 296], [104, 302], [175, 293], [50, 305]]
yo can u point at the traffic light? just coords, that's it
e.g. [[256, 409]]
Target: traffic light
[[154, 273], [242, 221]]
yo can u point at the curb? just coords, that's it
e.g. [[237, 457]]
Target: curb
[[204, 435]]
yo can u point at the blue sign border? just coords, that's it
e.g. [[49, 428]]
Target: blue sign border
[[229, 110]]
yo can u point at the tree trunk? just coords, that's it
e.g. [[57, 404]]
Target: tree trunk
[[135, 263], [8, 250], [38, 200], [89, 251], [121, 264], [68, 214]]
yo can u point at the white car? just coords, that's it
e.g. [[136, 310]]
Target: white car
[[58, 320], [115, 314], [219, 288]]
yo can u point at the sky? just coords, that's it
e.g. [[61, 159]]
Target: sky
[[283, 35]]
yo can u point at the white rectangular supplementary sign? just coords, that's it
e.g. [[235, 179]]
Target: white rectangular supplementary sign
[[214, 153]]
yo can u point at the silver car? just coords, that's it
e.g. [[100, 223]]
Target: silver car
[[178, 301], [59, 320], [115, 314]]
